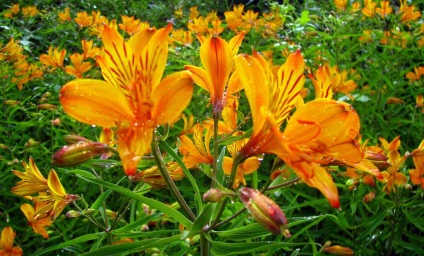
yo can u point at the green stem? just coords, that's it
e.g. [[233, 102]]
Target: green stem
[[236, 161], [215, 148], [204, 245], [168, 180]]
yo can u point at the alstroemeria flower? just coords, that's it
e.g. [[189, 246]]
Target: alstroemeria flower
[[196, 151], [249, 165], [392, 176], [318, 133], [36, 221], [6, 243], [133, 98], [32, 181], [417, 174], [217, 56]]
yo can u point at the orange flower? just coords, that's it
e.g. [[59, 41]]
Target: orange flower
[[58, 195], [133, 98], [392, 176], [196, 151], [83, 19], [407, 12], [340, 4], [366, 36], [339, 250], [30, 11], [249, 165], [129, 25], [32, 181], [217, 58], [154, 178], [53, 58], [369, 9], [390, 146], [394, 100], [417, 174], [65, 16], [36, 221], [385, 9], [416, 75], [311, 137], [6, 243], [78, 65]]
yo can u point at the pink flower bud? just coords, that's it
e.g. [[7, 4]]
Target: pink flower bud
[[212, 195], [265, 211]]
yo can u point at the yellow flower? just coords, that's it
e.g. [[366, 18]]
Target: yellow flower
[[196, 151], [133, 98], [129, 25], [340, 4], [36, 221], [83, 19], [392, 176], [154, 178], [53, 58], [417, 174], [32, 181], [65, 16], [30, 11], [312, 137], [385, 9], [217, 58], [6, 243], [390, 146], [407, 12], [369, 9], [79, 66]]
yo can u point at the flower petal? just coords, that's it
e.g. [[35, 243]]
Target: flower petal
[[56, 188], [316, 176], [133, 144], [287, 86], [171, 97], [118, 66], [201, 78], [95, 102], [255, 84], [153, 58], [217, 59]]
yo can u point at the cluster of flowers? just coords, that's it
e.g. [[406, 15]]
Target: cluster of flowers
[[50, 200], [15, 62]]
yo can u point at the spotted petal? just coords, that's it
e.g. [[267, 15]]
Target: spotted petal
[[95, 102]]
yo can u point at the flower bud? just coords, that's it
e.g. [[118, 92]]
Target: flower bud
[[47, 106], [78, 153], [379, 160], [72, 139], [73, 214], [88, 212], [11, 102], [265, 211], [369, 197], [31, 143], [338, 250], [212, 195]]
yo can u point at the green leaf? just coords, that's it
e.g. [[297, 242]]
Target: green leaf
[[222, 248], [171, 212], [219, 171], [243, 233], [137, 223], [133, 247], [78, 240], [82, 173], [197, 195], [201, 221], [100, 199], [371, 224]]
